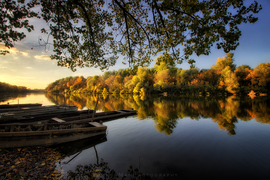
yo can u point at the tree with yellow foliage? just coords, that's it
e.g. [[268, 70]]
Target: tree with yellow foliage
[[263, 73]]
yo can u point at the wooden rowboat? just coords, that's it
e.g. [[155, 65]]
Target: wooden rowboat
[[73, 116], [48, 134], [43, 117], [96, 117], [31, 114], [57, 130]]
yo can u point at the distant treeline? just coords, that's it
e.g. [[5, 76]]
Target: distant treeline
[[5, 87], [8, 88], [221, 79]]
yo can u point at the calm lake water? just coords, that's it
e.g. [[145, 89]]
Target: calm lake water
[[171, 138]]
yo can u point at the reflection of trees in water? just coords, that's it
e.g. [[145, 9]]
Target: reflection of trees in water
[[78, 100], [258, 108], [245, 112], [92, 171], [165, 116], [226, 123], [262, 113], [10, 97], [227, 115], [166, 111], [73, 100], [102, 170], [56, 99], [110, 103]]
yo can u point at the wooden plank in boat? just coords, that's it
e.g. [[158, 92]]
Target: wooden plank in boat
[[58, 120], [96, 124]]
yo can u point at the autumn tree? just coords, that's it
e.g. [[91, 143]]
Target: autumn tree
[[92, 33], [79, 82], [114, 83], [108, 74], [162, 79], [208, 77], [109, 82], [146, 76], [131, 84], [222, 63], [165, 68], [225, 70], [93, 83], [165, 62], [191, 74], [181, 76], [241, 73], [230, 80], [252, 77], [263, 73]]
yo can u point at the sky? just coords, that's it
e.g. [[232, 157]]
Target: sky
[[34, 69]]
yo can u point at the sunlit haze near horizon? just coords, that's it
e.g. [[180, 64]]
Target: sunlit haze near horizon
[[34, 69]]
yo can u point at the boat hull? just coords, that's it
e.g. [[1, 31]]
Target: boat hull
[[49, 137]]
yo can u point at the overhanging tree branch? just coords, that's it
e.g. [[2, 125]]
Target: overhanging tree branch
[[196, 25], [132, 17]]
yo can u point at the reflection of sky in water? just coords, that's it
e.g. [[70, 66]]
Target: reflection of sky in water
[[29, 98], [195, 148]]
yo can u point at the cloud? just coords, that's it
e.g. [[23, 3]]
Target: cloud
[[43, 57], [24, 53], [13, 51], [4, 62], [28, 67]]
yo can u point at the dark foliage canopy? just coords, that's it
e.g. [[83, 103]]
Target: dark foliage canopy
[[93, 33]]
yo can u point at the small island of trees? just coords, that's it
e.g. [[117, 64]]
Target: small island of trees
[[223, 78]]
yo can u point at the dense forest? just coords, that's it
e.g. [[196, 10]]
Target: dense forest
[[222, 78], [5, 87], [8, 88]]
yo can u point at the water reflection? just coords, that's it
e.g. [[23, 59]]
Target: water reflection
[[101, 170], [11, 97], [24, 98], [166, 111], [98, 170]]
